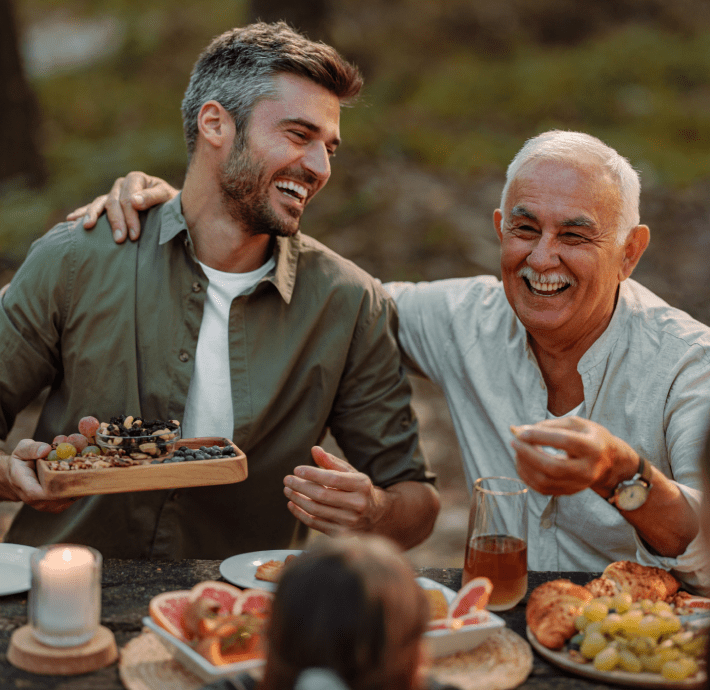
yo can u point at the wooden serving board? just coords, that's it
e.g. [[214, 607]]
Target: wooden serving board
[[113, 480]]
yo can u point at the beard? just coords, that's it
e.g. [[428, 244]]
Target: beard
[[245, 191]]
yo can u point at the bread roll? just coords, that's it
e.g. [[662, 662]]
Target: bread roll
[[642, 581], [551, 610]]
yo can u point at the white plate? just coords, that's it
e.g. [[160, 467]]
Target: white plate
[[445, 642], [240, 569], [15, 574], [642, 680], [195, 662]]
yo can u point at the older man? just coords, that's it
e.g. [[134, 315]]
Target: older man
[[228, 318], [606, 386]]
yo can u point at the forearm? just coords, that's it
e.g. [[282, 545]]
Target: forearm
[[409, 512], [666, 521]]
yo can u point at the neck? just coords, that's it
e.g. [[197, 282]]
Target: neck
[[220, 241]]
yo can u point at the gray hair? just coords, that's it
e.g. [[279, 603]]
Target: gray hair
[[576, 147], [237, 69]]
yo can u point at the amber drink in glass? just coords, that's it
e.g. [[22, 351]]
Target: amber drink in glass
[[497, 542]]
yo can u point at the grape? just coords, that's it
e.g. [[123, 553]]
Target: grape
[[593, 644], [696, 646], [581, 622], [678, 669], [596, 610], [79, 441], [88, 427], [629, 662], [607, 659], [651, 662], [52, 456], [65, 450], [661, 607], [91, 450], [611, 624], [622, 602], [650, 626], [630, 622], [59, 439]]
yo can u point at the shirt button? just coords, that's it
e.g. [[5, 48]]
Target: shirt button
[[183, 356], [196, 287], [546, 523]]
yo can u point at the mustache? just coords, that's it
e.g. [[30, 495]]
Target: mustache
[[533, 275]]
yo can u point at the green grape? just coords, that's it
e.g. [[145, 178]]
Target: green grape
[[91, 450], [696, 646], [668, 653], [678, 669], [593, 626], [593, 644], [66, 450], [611, 624], [661, 607], [642, 645], [596, 610], [622, 602], [581, 622], [650, 626], [52, 456], [630, 622], [669, 623], [629, 662], [651, 662], [607, 659], [646, 605]]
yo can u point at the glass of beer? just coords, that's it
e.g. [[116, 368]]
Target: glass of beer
[[497, 542]]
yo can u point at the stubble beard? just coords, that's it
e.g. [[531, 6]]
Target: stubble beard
[[245, 192]]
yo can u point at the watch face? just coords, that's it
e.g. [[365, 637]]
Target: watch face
[[632, 496]]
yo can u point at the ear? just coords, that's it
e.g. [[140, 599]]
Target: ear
[[215, 125], [634, 247], [498, 223]]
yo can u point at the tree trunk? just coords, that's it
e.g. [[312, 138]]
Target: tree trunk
[[311, 17], [20, 156]]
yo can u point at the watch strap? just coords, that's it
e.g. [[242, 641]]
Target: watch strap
[[643, 474]]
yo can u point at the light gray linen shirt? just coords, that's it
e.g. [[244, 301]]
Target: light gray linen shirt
[[646, 379]]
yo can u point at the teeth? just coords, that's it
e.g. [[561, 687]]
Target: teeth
[[546, 287], [298, 189]]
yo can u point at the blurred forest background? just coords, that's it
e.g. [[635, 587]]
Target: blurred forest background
[[91, 89]]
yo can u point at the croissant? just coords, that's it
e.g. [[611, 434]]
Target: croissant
[[552, 609]]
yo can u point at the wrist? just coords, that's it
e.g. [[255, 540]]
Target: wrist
[[624, 466]]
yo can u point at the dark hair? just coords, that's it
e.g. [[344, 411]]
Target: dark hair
[[237, 69], [352, 606]]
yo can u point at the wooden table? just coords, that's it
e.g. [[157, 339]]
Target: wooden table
[[128, 586]]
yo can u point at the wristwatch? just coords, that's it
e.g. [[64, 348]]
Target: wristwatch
[[632, 493]]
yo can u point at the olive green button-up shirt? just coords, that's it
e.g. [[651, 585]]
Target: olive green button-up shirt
[[112, 329]]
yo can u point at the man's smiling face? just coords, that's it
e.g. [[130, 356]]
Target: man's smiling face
[[560, 260], [286, 160]]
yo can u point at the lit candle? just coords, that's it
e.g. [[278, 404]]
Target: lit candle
[[65, 599]]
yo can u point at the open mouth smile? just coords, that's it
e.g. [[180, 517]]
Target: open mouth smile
[[292, 190], [546, 289]]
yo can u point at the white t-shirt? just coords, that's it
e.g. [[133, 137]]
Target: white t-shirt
[[208, 410]]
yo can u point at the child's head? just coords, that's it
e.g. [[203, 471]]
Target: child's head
[[351, 605]]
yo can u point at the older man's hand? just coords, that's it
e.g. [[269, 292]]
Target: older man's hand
[[334, 497], [591, 457], [18, 478]]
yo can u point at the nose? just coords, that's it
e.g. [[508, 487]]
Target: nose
[[317, 161], [545, 254]]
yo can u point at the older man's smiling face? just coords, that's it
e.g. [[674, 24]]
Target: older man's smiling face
[[560, 260]]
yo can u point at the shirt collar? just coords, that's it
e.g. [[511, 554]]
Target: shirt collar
[[286, 249]]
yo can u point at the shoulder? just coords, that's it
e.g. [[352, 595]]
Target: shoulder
[[469, 298], [665, 326], [322, 270]]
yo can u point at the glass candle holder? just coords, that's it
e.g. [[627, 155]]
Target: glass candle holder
[[65, 597]]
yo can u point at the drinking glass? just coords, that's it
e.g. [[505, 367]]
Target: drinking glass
[[497, 541]]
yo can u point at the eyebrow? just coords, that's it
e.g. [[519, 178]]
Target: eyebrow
[[520, 211], [315, 129]]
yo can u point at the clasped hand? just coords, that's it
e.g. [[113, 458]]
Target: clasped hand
[[333, 497], [592, 456]]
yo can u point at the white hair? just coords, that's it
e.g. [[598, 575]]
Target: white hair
[[577, 147]]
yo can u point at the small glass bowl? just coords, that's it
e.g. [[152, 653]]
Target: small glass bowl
[[141, 447]]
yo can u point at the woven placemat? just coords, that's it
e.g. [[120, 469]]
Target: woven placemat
[[145, 664], [503, 661]]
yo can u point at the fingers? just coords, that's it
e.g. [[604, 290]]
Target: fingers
[[332, 529]]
